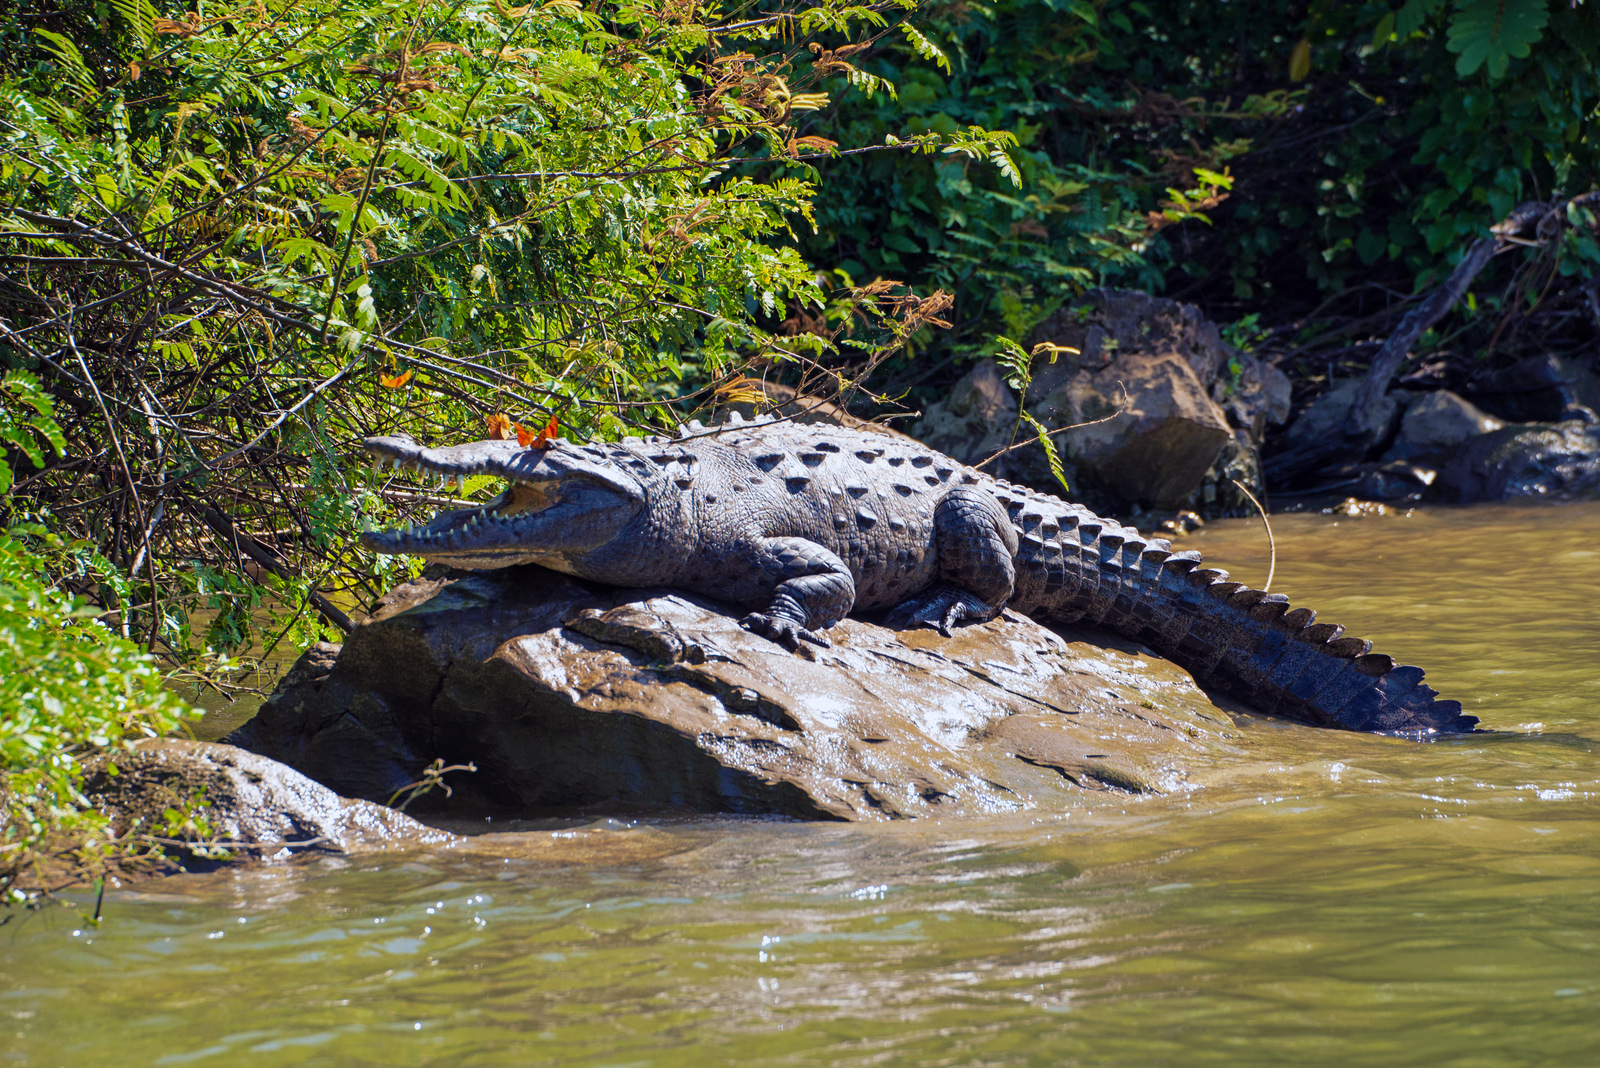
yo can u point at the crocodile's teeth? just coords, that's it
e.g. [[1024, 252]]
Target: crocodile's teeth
[[461, 483]]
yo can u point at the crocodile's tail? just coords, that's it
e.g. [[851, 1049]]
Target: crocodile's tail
[[1249, 644]]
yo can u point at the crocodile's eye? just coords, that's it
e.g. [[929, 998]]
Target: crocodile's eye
[[526, 497]]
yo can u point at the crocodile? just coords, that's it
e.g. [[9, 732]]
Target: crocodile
[[804, 524]]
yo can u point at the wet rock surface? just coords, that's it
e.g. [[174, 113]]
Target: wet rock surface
[[257, 807], [570, 697], [1559, 461]]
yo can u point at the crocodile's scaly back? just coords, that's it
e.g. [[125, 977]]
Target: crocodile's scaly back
[[805, 523]]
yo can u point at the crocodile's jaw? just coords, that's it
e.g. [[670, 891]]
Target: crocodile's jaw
[[554, 512]]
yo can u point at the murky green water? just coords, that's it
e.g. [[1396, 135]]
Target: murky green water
[[1334, 899]]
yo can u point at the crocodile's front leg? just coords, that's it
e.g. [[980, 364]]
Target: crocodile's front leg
[[977, 549], [813, 589]]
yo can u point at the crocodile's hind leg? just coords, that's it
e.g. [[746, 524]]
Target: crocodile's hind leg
[[812, 589], [977, 549]]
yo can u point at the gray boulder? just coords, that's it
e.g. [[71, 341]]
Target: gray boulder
[[257, 807], [1545, 389], [569, 696], [1194, 409], [1435, 424], [1325, 417], [1185, 393], [1156, 453], [975, 421]]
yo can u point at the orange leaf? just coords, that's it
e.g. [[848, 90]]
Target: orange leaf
[[397, 381], [499, 426]]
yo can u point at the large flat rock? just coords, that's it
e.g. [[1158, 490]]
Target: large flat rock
[[568, 696]]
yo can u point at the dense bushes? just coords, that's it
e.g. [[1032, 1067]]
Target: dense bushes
[[68, 685], [1367, 145]]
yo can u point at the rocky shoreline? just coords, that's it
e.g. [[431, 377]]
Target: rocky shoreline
[[565, 697]]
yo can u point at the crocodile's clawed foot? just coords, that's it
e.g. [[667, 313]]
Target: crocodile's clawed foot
[[786, 632], [941, 607]]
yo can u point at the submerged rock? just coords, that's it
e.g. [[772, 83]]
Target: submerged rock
[[255, 806], [1559, 461], [569, 696]]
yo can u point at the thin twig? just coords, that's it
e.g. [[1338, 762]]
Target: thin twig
[[1272, 545], [1122, 409]]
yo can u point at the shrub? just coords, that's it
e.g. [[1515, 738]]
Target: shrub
[[69, 686]]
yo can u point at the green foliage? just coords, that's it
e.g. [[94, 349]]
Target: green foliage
[[69, 686], [1416, 126], [1470, 110], [1100, 168], [1481, 32], [26, 416], [236, 241]]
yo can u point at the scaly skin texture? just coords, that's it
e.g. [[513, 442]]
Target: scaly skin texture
[[805, 524]]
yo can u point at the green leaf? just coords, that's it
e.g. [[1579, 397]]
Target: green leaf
[[140, 15], [924, 47], [1300, 60], [1042, 435], [1493, 32], [1383, 31], [1016, 362], [71, 59]]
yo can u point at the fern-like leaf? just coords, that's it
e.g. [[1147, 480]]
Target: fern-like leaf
[[1051, 454], [71, 60], [924, 47], [1493, 32]]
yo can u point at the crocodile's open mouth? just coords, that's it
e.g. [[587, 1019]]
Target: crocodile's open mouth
[[545, 507], [459, 526]]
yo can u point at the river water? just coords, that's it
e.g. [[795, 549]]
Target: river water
[[1332, 899]]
